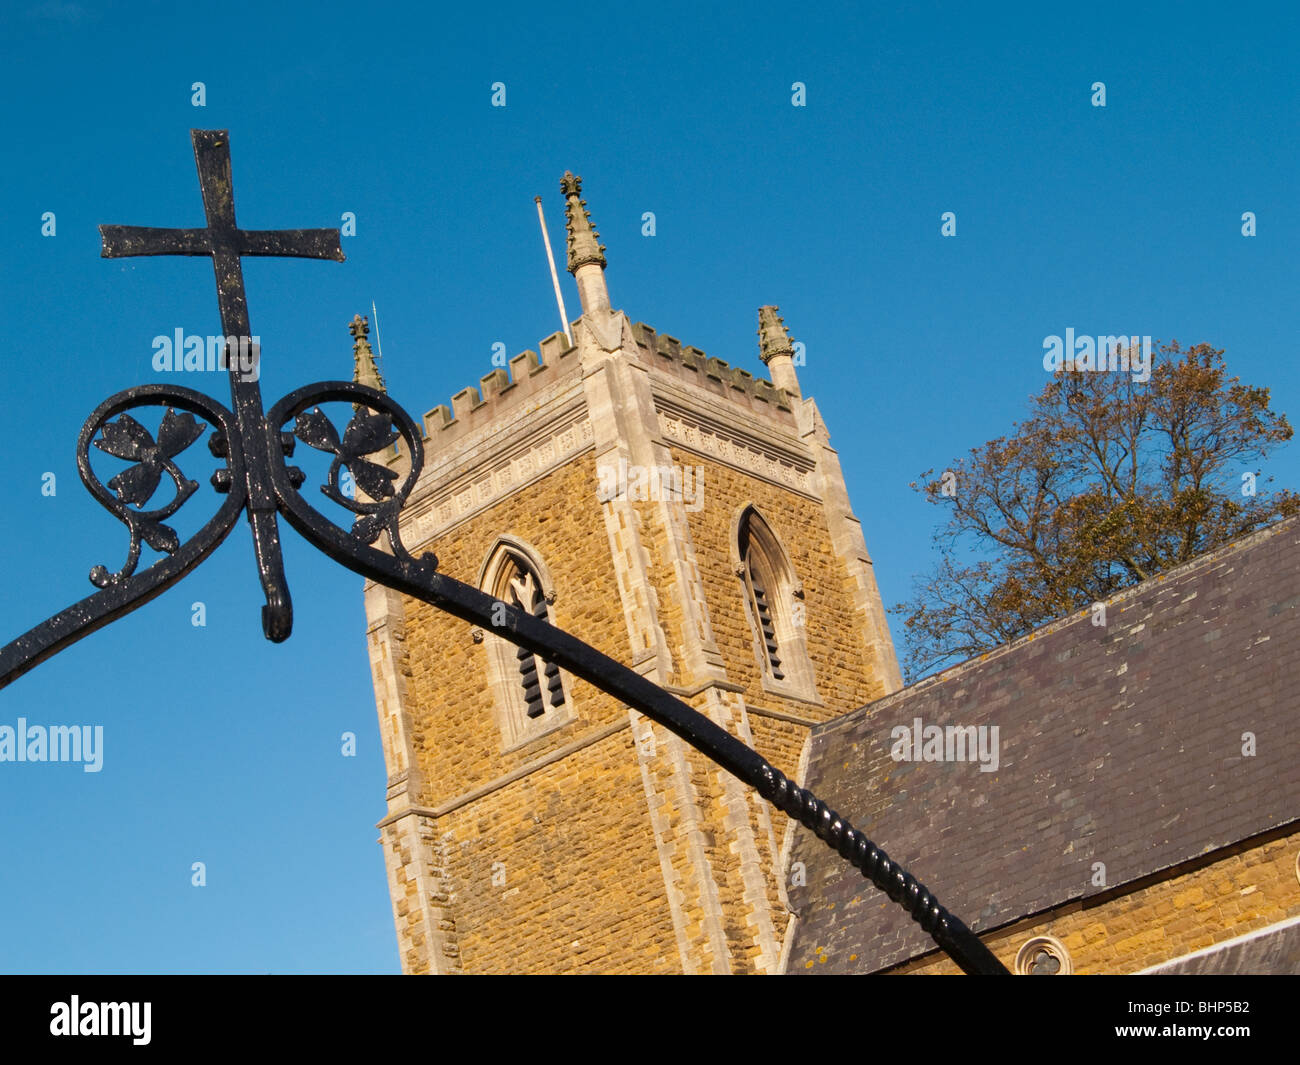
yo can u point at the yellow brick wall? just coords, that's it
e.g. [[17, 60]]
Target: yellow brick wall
[[455, 732], [557, 872], [834, 640], [835, 643], [780, 742], [1242, 892], [572, 839]]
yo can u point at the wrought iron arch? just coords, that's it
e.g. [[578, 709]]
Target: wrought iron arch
[[258, 481]]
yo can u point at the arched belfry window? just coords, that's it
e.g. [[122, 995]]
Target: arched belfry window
[[531, 694], [757, 574], [773, 598]]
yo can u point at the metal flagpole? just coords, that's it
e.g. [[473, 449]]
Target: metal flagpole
[[379, 344], [555, 278]]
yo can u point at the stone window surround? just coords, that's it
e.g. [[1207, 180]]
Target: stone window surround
[[800, 681], [1052, 946], [517, 729]]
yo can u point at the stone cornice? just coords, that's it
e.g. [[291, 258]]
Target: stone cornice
[[727, 437], [777, 436], [738, 455]]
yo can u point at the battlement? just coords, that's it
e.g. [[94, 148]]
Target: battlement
[[528, 374], [666, 353], [502, 389]]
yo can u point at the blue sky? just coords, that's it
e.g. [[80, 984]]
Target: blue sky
[[222, 748]]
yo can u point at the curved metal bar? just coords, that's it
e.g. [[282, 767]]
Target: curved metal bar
[[127, 591], [419, 579]]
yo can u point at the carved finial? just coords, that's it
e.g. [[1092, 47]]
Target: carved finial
[[773, 337], [583, 240], [365, 372], [777, 351]]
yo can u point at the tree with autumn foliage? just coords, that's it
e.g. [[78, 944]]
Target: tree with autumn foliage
[[1109, 481]]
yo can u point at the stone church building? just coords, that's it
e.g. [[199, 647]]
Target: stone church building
[[692, 521]]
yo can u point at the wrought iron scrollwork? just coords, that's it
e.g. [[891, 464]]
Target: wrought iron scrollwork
[[126, 494], [377, 423]]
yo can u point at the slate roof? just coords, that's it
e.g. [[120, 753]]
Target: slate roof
[[1120, 744]]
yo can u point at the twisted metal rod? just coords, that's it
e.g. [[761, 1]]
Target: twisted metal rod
[[420, 579]]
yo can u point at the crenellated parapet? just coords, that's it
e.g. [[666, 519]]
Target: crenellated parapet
[[668, 355], [502, 390]]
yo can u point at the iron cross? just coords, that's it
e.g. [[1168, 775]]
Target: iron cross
[[226, 244]]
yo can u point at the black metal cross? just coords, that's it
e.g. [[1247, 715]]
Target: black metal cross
[[226, 243]]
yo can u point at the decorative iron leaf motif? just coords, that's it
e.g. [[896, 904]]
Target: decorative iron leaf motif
[[128, 494], [376, 481], [177, 432], [159, 537], [127, 439], [366, 434], [373, 493], [137, 484], [314, 429]]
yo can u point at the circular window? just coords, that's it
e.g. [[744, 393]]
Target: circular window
[[1043, 956]]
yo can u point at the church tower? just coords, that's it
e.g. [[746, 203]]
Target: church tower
[[685, 518]]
